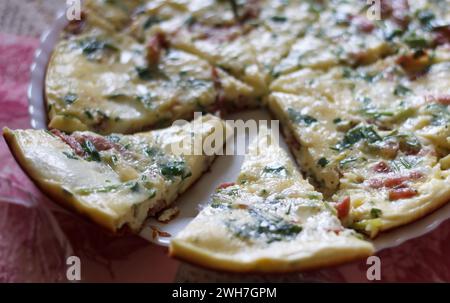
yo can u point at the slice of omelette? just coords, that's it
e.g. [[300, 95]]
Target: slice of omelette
[[118, 180], [110, 83], [270, 220], [381, 177]]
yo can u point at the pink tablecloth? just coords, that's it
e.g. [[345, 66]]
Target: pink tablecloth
[[36, 236]]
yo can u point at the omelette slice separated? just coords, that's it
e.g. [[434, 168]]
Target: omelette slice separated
[[118, 180], [380, 178], [270, 220]]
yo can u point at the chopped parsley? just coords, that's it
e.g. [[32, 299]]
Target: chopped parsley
[[404, 162], [146, 73], [135, 187], [426, 18], [350, 73], [269, 226], [132, 185], [356, 134], [151, 20], [70, 98], [369, 110], [91, 151], [278, 19], [375, 213], [174, 169], [297, 117], [346, 161], [414, 41], [70, 155], [147, 100], [401, 90], [88, 114], [275, 170], [92, 45], [323, 162]]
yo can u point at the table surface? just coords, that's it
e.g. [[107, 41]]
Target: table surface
[[37, 236]]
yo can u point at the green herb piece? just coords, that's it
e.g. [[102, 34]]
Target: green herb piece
[[350, 73], [174, 169], [278, 19], [440, 114], [70, 98], [113, 138], [415, 41], [269, 226], [145, 73], [151, 20], [426, 18], [401, 90], [323, 162], [297, 117], [356, 134], [404, 162], [375, 213], [107, 189], [370, 111], [391, 33], [275, 170], [70, 155], [147, 100], [89, 148], [344, 162], [152, 151], [88, 114], [135, 187], [217, 202], [94, 45]]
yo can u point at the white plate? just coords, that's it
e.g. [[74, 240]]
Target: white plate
[[224, 169]]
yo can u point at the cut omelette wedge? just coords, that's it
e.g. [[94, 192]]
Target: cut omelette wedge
[[117, 180], [381, 178], [270, 220]]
